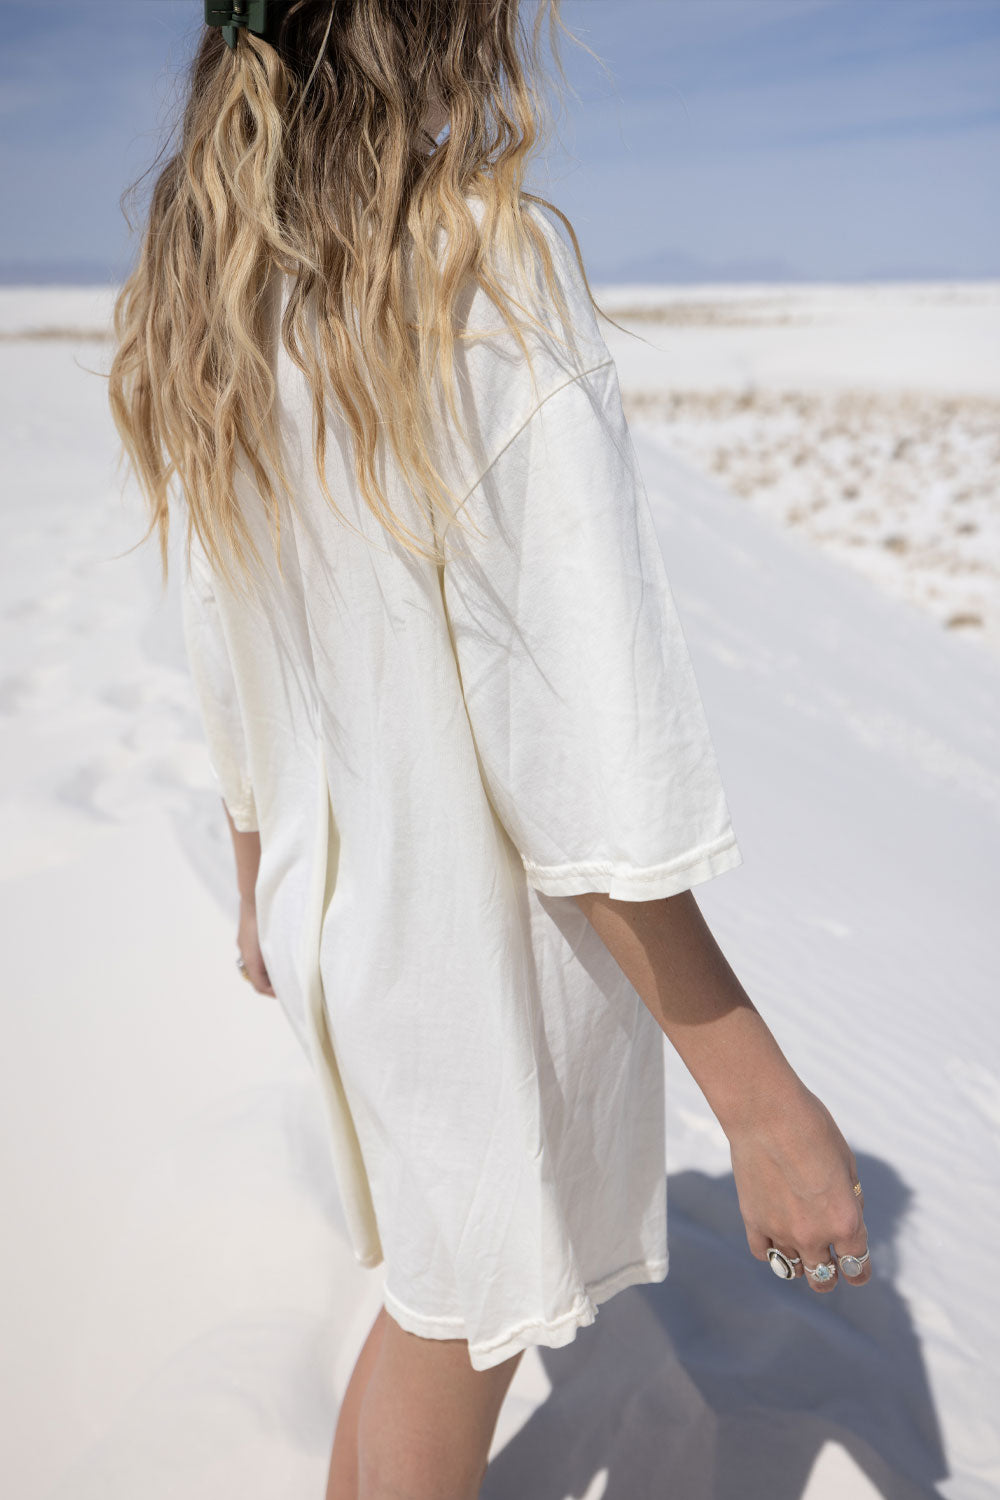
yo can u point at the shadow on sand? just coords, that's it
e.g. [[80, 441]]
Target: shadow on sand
[[724, 1383]]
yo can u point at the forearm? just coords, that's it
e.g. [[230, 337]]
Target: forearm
[[667, 951], [246, 852]]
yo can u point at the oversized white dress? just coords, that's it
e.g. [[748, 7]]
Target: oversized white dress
[[437, 758]]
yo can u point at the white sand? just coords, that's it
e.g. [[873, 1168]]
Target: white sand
[[181, 1307], [866, 417]]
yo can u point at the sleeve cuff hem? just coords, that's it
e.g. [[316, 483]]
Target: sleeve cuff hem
[[244, 822], [237, 793], [634, 882], [243, 814]]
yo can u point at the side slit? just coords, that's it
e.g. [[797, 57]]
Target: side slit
[[349, 1167]]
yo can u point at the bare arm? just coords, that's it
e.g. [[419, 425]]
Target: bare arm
[[246, 852], [793, 1169], [666, 949]]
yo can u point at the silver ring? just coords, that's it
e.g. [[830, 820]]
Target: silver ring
[[825, 1271], [239, 962], [781, 1264], [851, 1264]]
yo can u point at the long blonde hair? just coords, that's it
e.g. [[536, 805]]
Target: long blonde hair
[[302, 157]]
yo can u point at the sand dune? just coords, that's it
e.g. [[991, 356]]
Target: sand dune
[[182, 1310]]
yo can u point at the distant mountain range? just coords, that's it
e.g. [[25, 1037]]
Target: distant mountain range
[[679, 267], [60, 273], [667, 266]]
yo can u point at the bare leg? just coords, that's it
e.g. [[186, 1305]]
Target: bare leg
[[342, 1483], [427, 1419]]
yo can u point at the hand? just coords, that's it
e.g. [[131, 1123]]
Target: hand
[[246, 941], [794, 1179]]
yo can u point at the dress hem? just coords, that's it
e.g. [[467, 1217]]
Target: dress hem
[[553, 1333], [369, 1259]]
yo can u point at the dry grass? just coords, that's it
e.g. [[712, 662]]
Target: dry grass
[[905, 486], [50, 335]]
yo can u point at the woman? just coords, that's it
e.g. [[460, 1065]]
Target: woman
[[448, 702]]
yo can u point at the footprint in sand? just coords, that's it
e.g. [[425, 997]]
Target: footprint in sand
[[25, 609], [127, 696], [16, 692], [88, 789]]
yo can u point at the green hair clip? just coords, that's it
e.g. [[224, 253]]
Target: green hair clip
[[249, 13]]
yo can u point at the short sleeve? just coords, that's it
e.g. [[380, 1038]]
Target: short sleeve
[[216, 694], [589, 726]]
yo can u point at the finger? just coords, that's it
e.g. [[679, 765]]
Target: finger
[[817, 1257], [258, 976], [254, 970], [786, 1248], [758, 1242], [850, 1238], [855, 1245]]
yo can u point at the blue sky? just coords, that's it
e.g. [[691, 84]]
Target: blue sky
[[728, 139]]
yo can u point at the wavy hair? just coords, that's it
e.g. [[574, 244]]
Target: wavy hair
[[304, 156]]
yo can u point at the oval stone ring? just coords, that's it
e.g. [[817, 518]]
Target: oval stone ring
[[851, 1265], [782, 1265]]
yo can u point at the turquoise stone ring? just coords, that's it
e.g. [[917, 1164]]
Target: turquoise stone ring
[[825, 1271]]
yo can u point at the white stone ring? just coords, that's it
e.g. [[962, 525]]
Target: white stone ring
[[781, 1264], [851, 1264]]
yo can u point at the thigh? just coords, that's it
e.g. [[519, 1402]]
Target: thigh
[[428, 1418], [440, 1371]]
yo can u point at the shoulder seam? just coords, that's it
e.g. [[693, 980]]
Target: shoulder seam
[[571, 380]]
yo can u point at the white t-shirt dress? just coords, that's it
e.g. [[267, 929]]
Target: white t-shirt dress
[[437, 758]]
